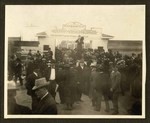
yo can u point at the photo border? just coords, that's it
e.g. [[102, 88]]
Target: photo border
[[107, 2]]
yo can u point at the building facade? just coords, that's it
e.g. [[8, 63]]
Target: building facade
[[66, 36], [21, 48], [125, 46]]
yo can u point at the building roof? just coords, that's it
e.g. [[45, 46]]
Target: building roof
[[26, 43], [41, 34], [125, 44], [74, 24], [14, 38], [84, 31], [106, 36], [125, 40]]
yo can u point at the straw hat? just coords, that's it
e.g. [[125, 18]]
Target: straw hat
[[12, 85], [39, 83]]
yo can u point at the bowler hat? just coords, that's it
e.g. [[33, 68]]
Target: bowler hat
[[39, 83]]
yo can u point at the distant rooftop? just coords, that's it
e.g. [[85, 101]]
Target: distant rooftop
[[74, 24], [106, 36], [56, 31], [75, 28], [125, 40]]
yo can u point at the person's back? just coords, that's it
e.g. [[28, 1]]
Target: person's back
[[30, 83], [46, 106], [93, 79], [115, 80], [102, 89], [102, 81], [30, 67], [115, 89]]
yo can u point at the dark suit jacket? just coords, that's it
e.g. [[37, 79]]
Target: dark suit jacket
[[60, 76], [83, 75], [47, 73], [30, 83], [102, 82], [30, 68], [46, 106], [115, 81], [18, 68]]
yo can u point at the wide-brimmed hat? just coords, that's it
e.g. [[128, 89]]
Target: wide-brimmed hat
[[120, 62], [39, 83], [12, 85], [43, 59], [93, 65]]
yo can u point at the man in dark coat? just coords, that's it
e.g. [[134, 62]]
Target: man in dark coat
[[115, 88], [82, 75], [38, 55], [93, 77], [50, 75], [43, 67], [102, 87], [30, 55], [60, 79], [49, 54], [18, 71], [30, 66], [29, 85], [11, 67], [70, 86], [46, 104]]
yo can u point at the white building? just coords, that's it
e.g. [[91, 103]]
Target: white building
[[69, 32]]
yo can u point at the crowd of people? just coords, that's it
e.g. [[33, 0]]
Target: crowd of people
[[98, 74]]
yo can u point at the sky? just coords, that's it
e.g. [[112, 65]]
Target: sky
[[121, 21]]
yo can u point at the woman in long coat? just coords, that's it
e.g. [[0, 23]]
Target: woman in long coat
[[70, 86]]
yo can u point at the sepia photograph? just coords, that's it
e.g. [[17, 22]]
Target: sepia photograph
[[74, 61]]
